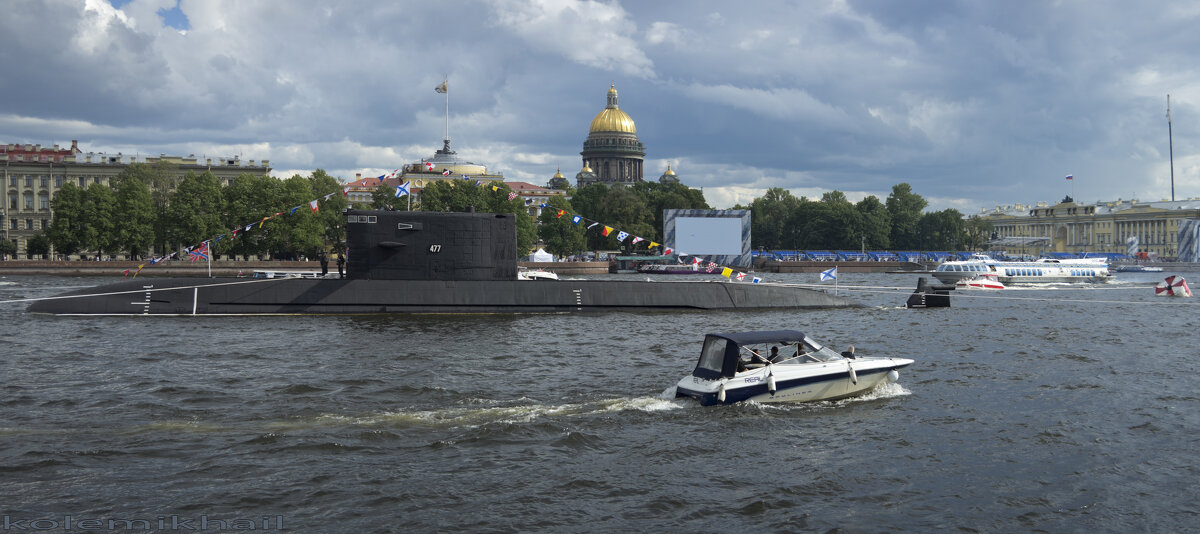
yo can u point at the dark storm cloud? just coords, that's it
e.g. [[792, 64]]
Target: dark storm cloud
[[975, 104]]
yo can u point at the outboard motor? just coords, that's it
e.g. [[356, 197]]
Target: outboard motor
[[929, 296]]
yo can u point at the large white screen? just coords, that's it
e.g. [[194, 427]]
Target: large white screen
[[708, 235]]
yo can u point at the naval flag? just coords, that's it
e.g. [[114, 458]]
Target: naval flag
[[402, 189], [830, 274]]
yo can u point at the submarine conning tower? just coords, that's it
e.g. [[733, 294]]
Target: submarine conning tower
[[416, 245]]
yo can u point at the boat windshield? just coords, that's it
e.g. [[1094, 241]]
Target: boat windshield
[[808, 351]]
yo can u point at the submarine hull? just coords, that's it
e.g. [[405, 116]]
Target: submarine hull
[[302, 296]]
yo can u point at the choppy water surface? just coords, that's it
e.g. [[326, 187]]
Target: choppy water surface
[[1043, 409]]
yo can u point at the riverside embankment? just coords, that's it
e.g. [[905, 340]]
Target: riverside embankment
[[223, 268]]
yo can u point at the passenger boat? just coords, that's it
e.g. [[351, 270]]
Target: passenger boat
[[290, 274], [781, 366], [668, 268], [1042, 270]]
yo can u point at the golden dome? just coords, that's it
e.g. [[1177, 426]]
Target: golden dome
[[669, 171], [558, 173], [586, 168], [611, 118]]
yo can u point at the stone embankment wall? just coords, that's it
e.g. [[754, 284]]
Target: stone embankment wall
[[224, 268]]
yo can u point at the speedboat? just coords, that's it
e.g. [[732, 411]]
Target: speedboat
[[1137, 268], [980, 281], [535, 274], [781, 366]]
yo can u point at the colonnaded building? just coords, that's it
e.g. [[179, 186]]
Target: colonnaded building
[[1104, 227], [33, 174]]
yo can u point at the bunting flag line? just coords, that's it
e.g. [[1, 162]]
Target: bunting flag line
[[429, 165], [445, 172], [260, 223], [593, 225], [576, 219], [562, 212], [637, 240], [200, 253], [712, 266], [313, 205], [755, 280], [293, 210], [382, 176], [667, 252], [512, 195], [139, 270], [607, 230], [346, 191], [726, 272], [621, 236], [741, 276]]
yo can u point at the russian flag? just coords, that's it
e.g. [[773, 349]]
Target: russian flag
[[1070, 176]]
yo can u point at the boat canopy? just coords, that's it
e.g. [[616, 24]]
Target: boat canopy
[[719, 356]]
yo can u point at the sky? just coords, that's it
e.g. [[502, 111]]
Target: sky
[[975, 104]]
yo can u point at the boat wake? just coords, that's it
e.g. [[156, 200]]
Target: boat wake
[[470, 417]]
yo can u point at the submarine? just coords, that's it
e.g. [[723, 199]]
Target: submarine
[[408, 262]]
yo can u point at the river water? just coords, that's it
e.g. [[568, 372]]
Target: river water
[[1045, 409]]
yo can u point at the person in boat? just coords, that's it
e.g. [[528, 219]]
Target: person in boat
[[341, 262], [755, 359], [324, 264], [774, 355]]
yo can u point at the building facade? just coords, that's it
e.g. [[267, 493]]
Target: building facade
[[1103, 227], [33, 174]]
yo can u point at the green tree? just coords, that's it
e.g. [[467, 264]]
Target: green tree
[[66, 228], [876, 223], [942, 230], [770, 216], [797, 230], [135, 217], [248, 201], [7, 248], [161, 179], [561, 236], [38, 245], [905, 209], [195, 210], [301, 231], [978, 231], [331, 204], [99, 211], [623, 210], [836, 224]]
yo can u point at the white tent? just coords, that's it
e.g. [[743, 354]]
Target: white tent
[[541, 255]]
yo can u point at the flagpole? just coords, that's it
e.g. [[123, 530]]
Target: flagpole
[[446, 91], [1171, 142], [210, 255]]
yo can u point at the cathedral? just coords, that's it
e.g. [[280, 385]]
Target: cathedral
[[612, 153]]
